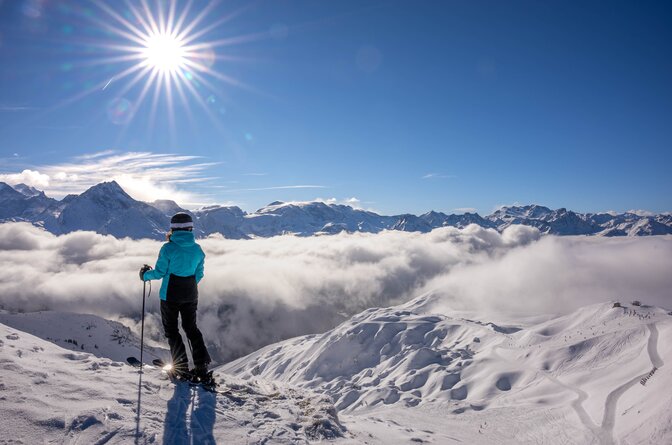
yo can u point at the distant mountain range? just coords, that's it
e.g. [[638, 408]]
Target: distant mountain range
[[107, 209]]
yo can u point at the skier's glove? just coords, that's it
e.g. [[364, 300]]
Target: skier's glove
[[144, 269]]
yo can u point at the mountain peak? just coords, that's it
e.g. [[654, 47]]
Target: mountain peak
[[27, 190], [112, 183], [533, 211], [9, 192], [167, 206], [108, 195], [107, 188]]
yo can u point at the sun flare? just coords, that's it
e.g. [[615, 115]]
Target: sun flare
[[162, 50], [164, 53]]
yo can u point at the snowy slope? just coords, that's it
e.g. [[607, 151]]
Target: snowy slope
[[54, 395], [415, 373], [82, 333], [571, 379]]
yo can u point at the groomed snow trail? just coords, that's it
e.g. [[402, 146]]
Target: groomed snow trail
[[652, 346], [577, 404], [604, 433], [609, 418]]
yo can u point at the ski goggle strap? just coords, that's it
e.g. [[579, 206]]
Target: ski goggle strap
[[186, 225]]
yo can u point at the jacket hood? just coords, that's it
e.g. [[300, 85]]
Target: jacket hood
[[183, 238]]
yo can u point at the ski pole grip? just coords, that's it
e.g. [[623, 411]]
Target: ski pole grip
[[144, 269]]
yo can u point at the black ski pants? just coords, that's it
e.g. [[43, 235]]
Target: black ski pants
[[187, 310]]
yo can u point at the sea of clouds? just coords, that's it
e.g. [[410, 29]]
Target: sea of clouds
[[256, 292]]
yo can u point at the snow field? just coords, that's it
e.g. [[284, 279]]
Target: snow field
[[571, 379], [54, 395], [404, 374]]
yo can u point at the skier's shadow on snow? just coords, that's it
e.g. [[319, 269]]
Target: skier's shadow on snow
[[190, 417]]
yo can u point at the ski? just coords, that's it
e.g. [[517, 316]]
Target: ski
[[158, 362], [183, 376], [209, 385], [133, 362]]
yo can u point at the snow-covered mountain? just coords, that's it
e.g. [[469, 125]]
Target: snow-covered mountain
[[594, 376], [311, 218], [27, 190], [16, 205], [107, 209]]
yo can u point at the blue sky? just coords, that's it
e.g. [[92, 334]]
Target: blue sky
[[397, 106]]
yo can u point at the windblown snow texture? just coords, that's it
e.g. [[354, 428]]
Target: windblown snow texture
[[571, 379], [53, 394], [404, 374]]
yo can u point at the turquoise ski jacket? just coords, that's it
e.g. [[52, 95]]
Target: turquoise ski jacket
[[181, 256]]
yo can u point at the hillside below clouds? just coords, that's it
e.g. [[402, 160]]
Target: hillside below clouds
[[415, 373], [595, 376], [107, 209]]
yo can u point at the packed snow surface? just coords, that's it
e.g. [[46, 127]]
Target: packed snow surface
[[50, 394], [414, 373], [457, 377]]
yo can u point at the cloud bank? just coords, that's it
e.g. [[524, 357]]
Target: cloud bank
[[261, 291]]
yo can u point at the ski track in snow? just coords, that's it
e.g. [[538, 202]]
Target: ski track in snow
[[609, 418], [652, 346], [602, 352], [579, 363], [577, 404], [603, 433]]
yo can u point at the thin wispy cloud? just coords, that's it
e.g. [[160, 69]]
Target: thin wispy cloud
[[58, 127], [640, 212], [9, 159], [437, 176], [353, 202], [95, 155], [279, 187], [501, 206], [465, 210], [145, 176], [15, 108]]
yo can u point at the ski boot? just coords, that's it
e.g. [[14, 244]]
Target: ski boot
[[201, 376]]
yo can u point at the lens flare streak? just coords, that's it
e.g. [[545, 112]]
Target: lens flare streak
[[163, 49]]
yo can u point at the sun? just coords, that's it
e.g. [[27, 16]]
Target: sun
[[157, 49], [164, 53]]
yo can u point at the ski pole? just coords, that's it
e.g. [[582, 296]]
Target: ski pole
[[142, 325]]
